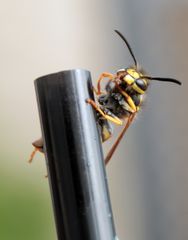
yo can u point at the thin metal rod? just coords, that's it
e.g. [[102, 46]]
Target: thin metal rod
[[74, 157]]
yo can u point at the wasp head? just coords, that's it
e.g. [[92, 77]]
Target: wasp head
[[135, 80]]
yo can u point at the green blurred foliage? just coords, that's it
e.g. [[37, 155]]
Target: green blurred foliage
[[25, 208]]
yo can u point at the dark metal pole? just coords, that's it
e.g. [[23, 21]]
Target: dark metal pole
[[74, 157]]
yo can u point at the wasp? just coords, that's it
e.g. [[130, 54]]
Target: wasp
[[123, 97]]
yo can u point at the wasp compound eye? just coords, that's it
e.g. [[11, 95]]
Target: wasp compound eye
[[141, 84]]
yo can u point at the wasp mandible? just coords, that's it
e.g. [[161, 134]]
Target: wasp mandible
[[124, 94]]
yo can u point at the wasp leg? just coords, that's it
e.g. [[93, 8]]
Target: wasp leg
[[95, 90], [112, 150], [104, 113], [103, 75], [38, 147], [128, 98], [33, 154]]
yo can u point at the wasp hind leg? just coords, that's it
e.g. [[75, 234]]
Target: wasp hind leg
[[38, 147], [33, 155], [113, 148]]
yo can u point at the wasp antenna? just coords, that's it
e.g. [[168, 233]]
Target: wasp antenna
[[128, 46], [163, 79]]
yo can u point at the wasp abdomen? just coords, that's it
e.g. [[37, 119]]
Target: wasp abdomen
[[105, 128]]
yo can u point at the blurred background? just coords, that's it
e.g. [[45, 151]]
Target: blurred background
[[148, 176]]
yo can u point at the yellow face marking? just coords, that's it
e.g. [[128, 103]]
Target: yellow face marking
[[128, 79], [133, 73]]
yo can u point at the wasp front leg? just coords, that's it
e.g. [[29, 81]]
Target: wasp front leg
[[105, 113], [102, 76], [38, 147], [128, 99]]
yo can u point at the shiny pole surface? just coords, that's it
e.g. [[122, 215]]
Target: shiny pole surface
[[74, 157]]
